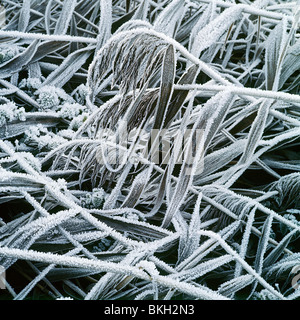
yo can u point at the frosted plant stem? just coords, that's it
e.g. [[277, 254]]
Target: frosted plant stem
[[21, 295], [62, 230], [54, 189], [252, 92], [284, 117], [102, 266], [47, 37], [250, 9], [244, 264], [55, 293]]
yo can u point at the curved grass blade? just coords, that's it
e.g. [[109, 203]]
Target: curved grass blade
[[278, 250], [24, 16], [64, 19], [179, 96], [46, 48], [261, 248], [137, 188], [169, 19], [19, 62], [104, 30], [66, 70], [166, 87], [236, 284]]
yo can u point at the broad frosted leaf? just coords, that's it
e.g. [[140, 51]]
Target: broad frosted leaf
[[20, 180], [64, 19], [232, 286], [142, 10], [193, 153], [278, 250], [166, 87], [218, 159], [46, 48], [291, 63], [245, 240], [179, 96], [215, 29], [205, 267], [20, 93], [104, 30], [24, 237], [19, 62], [169, 19], [286, 263], [274, 49], [48, 16], [161, 192], [17, 127], [111, 200], [34, 71], [228, 48], [24, 16], [137, 188], [74, 46], [4, 199], [12, 226], [193, 237], [257, 130], [213, 115], [66, 70], [178, 197], [205, 18], [135, 227], [292, 165], [262, 247]]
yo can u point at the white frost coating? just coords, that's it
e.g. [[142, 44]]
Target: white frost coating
[[9, 112], [62, 23], [244, 264], [235, 284], [104, 29], [254, 92], [40, 36], [251, 9], [169, 19], [203, 268], [215, 29], [101, 266], [204, 19], [245, 241], [71, 261], [24, 16]]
